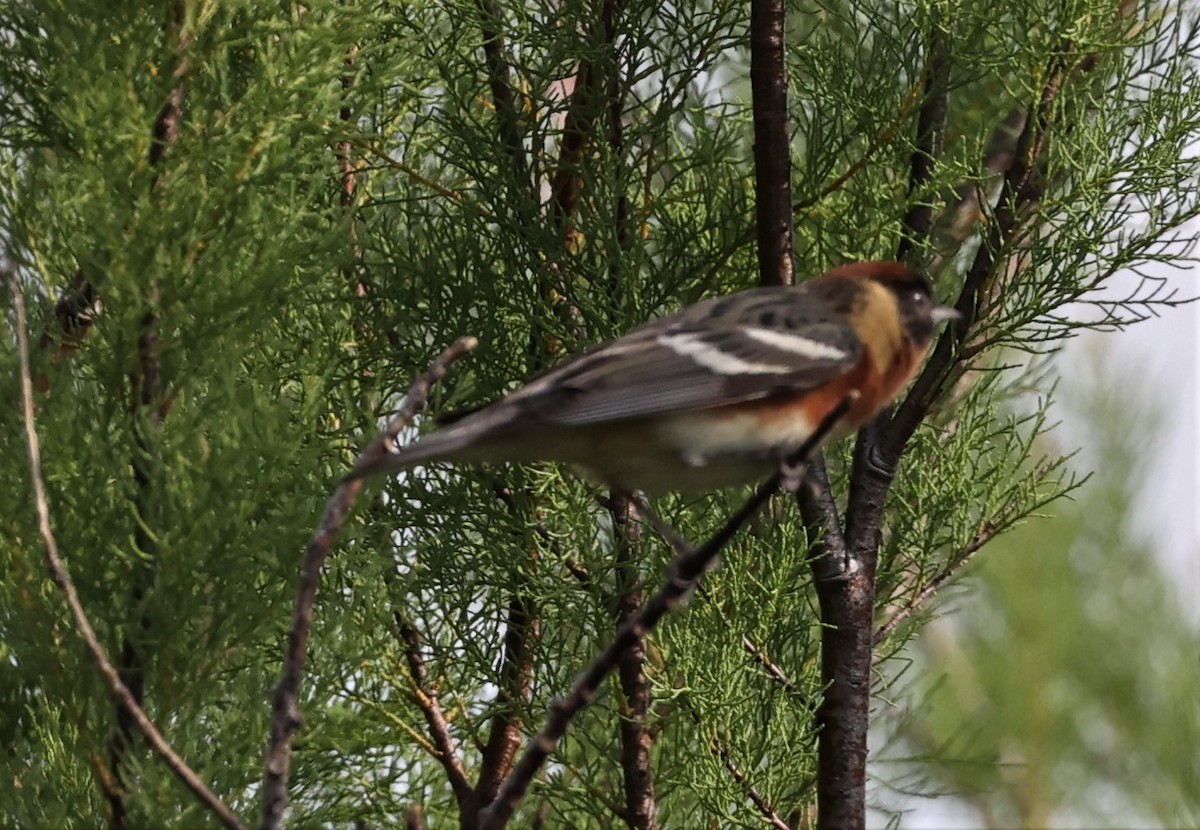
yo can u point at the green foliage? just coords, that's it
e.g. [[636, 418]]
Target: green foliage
[[292, 304]]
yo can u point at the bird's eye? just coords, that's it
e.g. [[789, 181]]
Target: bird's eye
[[920, 299]]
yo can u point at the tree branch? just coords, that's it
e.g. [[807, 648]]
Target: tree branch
[[504, 736], [931, 129], [426, 697], [148, 406], [844, 563], [502, 94], [679, 545], [1021, 188], [721, 751], [772, 142], [592, 91], [286, 717], [768, 813], [640, 806], [62, 579]]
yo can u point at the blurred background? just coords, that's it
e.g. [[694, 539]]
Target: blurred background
[[1059, 688]]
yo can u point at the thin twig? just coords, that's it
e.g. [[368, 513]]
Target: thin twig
[[768, 813], [286, 717], [427, 699], [62, 578], [721, 751], [880, 141], [989, 531], [683, 575]]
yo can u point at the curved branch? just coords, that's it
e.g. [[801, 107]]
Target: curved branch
[[62, 578], [286, 718]]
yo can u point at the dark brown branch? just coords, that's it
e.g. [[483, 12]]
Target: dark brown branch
[[640, 806], [845, 561], [500, 83], [1021, 189], [683, 575], [504, 735], [286, 717], [931, 128], [62, 579], [847, 610], [426, 697], [148, 407], [681, 581], [848, 605], [584, 108], [772, 143], [846, 598]]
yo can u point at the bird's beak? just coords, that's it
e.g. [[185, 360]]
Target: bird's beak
[[943, 313]]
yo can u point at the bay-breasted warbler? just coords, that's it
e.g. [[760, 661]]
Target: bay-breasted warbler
[[718, 393]]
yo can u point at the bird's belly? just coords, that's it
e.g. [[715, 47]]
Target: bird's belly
[[704, 437], [696, 450]]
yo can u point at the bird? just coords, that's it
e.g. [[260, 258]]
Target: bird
[[718, 393]]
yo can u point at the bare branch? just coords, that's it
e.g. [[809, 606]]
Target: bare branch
[[768, 813], [772, 143], [516, 671], [426, 697], [286, 718], [62, 578], [502, 93], [640, 806]]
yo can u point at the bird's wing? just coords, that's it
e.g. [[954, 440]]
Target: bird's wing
[[679, 365]]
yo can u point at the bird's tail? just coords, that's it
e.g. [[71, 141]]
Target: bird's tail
[[445, 445]]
